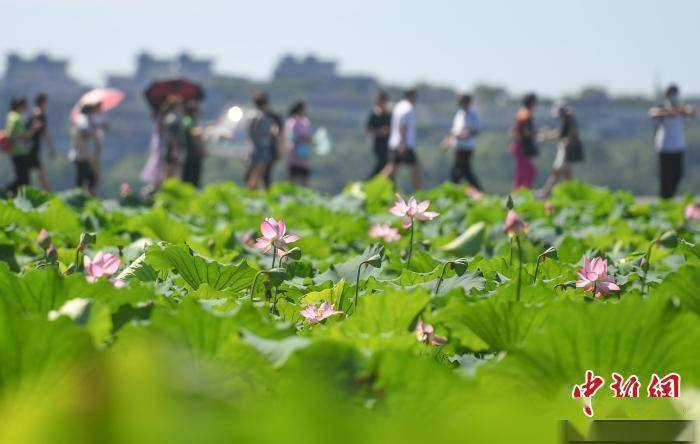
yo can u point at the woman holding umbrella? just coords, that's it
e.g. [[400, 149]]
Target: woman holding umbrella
[[165, 98], [159, 165]]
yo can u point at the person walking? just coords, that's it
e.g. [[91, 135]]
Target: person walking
[[402, 139], [170, 131], [378, 125], [191, 141], [275, 148], [569, 147], [262, 132], [159, 163], [86, 150], [523, 147], [38, 119], [669, 139], [463, 137], [19, 138], [299, 134]]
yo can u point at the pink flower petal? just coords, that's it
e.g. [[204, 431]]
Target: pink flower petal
[[291, 238], [422, 206], [110, 263], [268, 228]]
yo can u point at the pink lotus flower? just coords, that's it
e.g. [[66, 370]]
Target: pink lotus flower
[[412, 210], [274, 234], [514, 225], [103, 264], [384, 231], [44, 239], [315, 314], [594, 277], [426, 333], [692, 212]]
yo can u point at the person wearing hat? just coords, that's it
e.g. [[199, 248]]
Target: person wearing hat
[[569, 147]]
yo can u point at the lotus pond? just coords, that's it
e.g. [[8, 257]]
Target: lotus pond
[[225, 315]]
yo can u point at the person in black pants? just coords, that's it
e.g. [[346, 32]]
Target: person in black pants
[[19, 136], [275, 148], [463, 137], [42, 135], [670, 173], [191, 141], [669, 139], [378, 126]]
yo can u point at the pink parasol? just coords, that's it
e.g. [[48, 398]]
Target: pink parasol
[[107, 98]]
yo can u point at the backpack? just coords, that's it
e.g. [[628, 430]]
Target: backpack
[[5, 142]]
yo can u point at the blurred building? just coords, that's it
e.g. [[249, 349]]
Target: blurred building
[[150, 68], [27, 76]]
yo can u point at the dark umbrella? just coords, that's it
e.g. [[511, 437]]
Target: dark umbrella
[[160, 90]]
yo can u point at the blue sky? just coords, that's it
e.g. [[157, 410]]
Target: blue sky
[[549, 46]]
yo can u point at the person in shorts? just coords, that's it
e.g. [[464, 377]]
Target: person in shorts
[[568, 143], [402, 139]]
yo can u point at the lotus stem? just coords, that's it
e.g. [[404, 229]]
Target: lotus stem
[[78, 254], [410, 246], [357, 288], [510, 259], [442, 275], [645, 266], [520, 268], [540, 259], [255, 281]]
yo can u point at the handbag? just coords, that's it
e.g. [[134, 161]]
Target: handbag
[[5, 142], [574, 151], [530, 148]]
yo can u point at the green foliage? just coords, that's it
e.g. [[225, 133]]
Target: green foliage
[[175, 347]]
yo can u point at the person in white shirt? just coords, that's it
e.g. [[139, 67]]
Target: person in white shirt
[[463, 137], [669, 139], [402, 138]]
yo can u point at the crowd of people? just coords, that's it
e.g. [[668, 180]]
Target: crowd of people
[[178, 148]]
